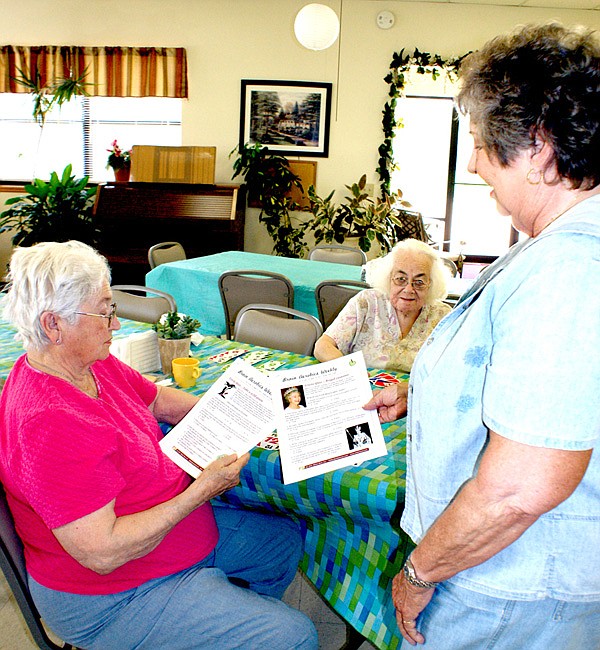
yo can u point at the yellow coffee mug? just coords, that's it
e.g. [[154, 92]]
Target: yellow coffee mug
[[186, 371]]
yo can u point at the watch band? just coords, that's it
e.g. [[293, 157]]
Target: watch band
[[411, 576]]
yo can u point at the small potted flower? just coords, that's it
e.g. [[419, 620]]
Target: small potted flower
[[120, 162], [174, 331]]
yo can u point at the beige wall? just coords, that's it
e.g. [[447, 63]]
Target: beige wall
[[229, 40]]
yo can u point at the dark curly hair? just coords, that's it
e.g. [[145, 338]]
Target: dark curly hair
[[539, 83]]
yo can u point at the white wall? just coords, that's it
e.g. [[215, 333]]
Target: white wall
[[229, 40]]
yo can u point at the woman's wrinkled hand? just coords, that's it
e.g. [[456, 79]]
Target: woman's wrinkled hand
[[409, 602], [391, 402], [221, 475]]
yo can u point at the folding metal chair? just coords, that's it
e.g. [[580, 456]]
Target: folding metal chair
[[134, 302], [166, 251], [332, 295], [338, 253], [451, 266], [257, 324], [240, 288], [12, 563]]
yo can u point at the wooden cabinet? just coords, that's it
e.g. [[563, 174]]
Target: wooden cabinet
[[205, 219]]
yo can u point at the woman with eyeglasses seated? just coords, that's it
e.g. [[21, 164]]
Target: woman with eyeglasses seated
[[123, 549], [391, 321]]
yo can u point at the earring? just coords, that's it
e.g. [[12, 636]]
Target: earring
[[540, 176], [58, 341]]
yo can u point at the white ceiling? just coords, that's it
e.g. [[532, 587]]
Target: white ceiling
[[590, 5]]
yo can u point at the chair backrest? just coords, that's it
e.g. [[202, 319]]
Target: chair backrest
[[412, 227], [241, 288], [257, 324], [332, 295], [166, 251], [338, 253], [451, 266], [12, 564], [134, 302]]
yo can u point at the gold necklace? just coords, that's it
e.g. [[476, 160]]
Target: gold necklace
[[87, 384], [560, 214]]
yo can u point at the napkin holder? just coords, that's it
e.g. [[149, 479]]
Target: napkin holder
[[140, 351]]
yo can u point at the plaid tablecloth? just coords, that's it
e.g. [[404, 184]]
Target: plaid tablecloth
[[354, 546]]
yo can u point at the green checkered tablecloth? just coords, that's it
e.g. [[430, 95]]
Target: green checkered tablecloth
[[354, 546]]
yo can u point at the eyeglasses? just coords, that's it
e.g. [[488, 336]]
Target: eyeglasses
[[111, 314], [417, 285]]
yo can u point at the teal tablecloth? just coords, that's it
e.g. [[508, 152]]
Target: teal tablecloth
[[194, 283], [353, 544]]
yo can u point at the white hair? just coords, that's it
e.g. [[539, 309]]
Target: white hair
[[379, 271], [55, 277]]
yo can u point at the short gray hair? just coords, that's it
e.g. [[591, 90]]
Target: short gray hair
[[379, 271], [55, 277], [538, 82]]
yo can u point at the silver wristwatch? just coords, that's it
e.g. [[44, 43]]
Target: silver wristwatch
[[411, 576]]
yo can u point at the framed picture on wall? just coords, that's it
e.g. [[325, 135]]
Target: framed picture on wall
[[290, 117]]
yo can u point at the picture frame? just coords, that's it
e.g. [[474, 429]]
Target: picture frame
[[291, 118]]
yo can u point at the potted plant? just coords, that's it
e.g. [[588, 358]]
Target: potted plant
[[174, 331], [57, 210], [369, 220], [119, 161], [45, 97], [269, 180]]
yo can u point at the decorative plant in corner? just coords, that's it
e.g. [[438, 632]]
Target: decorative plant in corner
[[57, 210], [46, 96], [270, 180], [360, 216]]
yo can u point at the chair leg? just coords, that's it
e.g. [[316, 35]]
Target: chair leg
[[354, 639]]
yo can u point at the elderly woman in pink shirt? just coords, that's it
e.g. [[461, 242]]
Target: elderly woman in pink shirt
[[123, 549]]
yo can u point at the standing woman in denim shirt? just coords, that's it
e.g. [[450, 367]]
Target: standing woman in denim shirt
[[503, 487]]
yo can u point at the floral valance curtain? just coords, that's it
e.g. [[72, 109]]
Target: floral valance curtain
[[109, 71]]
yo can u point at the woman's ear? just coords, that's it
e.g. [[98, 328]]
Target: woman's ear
[[51, 327], [542, 157]]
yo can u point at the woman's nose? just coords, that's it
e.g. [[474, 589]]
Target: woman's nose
[[472, 166]]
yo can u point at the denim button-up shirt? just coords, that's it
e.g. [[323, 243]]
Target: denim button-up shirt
[[520, 356]]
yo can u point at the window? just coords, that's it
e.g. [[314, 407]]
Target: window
[[432, 150], [80, 133]]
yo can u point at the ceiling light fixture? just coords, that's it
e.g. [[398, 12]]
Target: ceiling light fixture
[[316, 26]]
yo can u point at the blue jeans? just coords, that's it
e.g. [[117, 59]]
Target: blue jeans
[[198, 607], [460, 619]]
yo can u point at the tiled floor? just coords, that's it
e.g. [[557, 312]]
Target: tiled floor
[[332, 632]]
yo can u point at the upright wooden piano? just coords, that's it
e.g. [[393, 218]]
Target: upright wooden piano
[[205, 219]]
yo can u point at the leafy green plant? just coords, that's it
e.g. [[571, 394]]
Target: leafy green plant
[[57, 210], [270, 180], [175, 325], [360, 216], [46, 96], [424, 63]]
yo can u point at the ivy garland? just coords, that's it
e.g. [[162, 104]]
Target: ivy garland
[[401, 63]]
